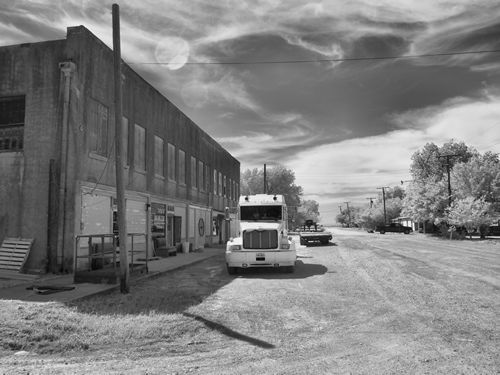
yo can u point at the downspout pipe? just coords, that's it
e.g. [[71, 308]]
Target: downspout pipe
[[67, 68]]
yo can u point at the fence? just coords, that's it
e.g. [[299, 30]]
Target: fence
[[101, 252]]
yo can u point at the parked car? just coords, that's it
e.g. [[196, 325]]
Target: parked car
[[394, 227], [493, 230]]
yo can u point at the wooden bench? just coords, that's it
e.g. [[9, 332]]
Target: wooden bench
[[14, 252], [161, 248]]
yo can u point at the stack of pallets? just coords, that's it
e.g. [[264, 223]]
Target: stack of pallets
[[14, 252]]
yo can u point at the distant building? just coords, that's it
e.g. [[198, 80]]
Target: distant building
[[57, 169]]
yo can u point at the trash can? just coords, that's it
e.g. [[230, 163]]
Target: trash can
[[185, 247]]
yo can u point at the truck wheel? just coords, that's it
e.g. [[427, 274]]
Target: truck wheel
[[231, 270], [406, 231], [324, 242], [382, 231]]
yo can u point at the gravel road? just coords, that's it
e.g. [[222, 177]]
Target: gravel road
[[365, 304]]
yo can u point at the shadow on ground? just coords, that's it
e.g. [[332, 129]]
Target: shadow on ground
[[302, 271], [318, 244], [173, 292], [177, 291], [229, 332]]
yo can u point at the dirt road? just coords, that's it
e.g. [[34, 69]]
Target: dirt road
[[366, 304]]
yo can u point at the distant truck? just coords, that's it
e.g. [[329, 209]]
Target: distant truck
[[311, 232], [393, 227]]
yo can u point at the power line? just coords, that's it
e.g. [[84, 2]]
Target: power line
[[308, 61]]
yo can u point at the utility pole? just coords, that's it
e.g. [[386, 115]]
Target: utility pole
[[383, 197], [348, 213], [448, 172], [120, 192], [265, 180], [371, 201]]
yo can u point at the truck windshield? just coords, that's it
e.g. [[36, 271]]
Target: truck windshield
[[261, 213]]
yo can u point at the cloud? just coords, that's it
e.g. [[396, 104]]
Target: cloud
[[353, 169]]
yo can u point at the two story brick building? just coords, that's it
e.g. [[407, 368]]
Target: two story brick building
[[57, 168]]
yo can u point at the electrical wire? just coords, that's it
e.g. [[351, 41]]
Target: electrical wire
[[308, 61]]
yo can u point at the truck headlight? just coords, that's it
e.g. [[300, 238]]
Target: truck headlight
[[234, 247]]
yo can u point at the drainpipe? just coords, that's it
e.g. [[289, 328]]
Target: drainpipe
[[67, 68]]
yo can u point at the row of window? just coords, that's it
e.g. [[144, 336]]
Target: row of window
[[176, 157]]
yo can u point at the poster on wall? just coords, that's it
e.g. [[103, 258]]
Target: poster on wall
[[158, 218]]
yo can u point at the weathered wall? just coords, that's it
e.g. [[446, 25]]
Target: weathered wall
[[143, 105], [31, 70]]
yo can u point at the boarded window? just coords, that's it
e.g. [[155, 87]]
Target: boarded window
[[98, 127], [139, 148], [194, 175], [221, 192], [207, 177], [201, 175], [215, 181], [171, 162], [182, 167], [158, 156], [12, 110]]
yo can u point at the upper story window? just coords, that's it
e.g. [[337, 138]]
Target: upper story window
[[194, 175], [171, 161], [182, 167], [139, 148], [201, 175], [98, 127], [221, 192], [159, 156], [215, 181], [12, 110], [208, 177]]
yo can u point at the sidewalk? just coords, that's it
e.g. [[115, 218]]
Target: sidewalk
[[14, 286]]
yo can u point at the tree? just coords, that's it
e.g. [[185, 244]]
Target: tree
[[309, 211], [373, 216], [479, 177], [425, 201], [427, 195], [469, 212], [280, 180], [428, 163]]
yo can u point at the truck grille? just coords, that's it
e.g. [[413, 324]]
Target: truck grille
[[260, 239]]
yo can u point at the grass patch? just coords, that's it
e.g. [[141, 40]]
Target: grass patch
[[52, 327]]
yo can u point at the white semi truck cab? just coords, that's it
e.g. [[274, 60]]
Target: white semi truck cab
[[263, 239]]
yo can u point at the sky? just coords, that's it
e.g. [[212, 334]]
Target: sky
[[306, 84]]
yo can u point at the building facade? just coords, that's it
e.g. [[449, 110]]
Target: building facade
[[57, 166]]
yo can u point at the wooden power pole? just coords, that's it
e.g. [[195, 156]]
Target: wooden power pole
[[383, 197], [348, 214], [265, 180], [448, 172], [120, 192]]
